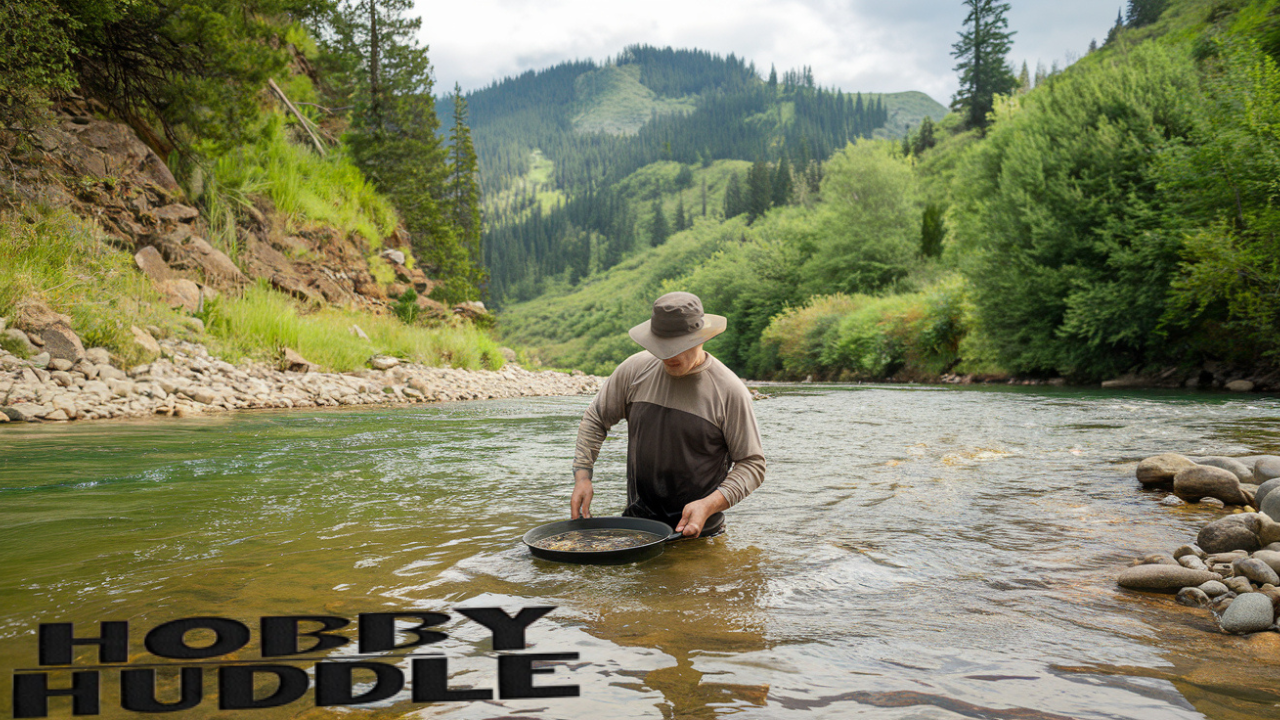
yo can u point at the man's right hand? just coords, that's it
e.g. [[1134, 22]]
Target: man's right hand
[[580, 502]]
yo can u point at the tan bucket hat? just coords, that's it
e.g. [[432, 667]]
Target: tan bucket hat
[[678, 323]]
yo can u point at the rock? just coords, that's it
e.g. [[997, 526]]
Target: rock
[[98, 356], [176, 213], [148, 344], [203, 395], [1159, 559], [1271, 507], [24, 412], [1242, 472], [1238, 585], [1200, 481], [108, 372], [1265, 489], [1270, 557], [1213, 588], [1161, 468], [1268, 530], [61, 342], [1168, 578], [63, 379], [1215, 502], [1266, 468], [294, 362], [383, 362], [1222, 602], [1256, 570], [1239, 386], [67, 406], [181, 293], [395, 256], [355, 330], [1227, 534], [57, 416], [60, 364], [1173, 501], [1192, 597], [1248, 613], [41, 360], [20, 338], [152, 264], [1190, 550], [508, 354], [1193, 562], [34, 316]]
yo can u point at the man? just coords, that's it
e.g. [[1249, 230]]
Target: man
[[693, 448]]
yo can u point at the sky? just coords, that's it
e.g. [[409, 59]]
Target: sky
[[854, 45]]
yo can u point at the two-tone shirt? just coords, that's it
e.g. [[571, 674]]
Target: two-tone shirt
[[687, 436]]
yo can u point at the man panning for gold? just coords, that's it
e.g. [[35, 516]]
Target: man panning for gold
[[693, 448]]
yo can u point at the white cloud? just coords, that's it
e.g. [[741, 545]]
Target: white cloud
[[864, 45]]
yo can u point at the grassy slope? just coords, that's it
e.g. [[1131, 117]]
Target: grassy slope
[[908, 109], [612, 100]]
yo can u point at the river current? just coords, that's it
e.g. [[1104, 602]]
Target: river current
[[915, 552]]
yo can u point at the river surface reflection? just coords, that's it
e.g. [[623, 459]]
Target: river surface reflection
[[914, 553]]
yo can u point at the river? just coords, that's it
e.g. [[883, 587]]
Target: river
[[915, 552]]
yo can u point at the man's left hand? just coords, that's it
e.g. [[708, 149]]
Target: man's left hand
[[696, 513]]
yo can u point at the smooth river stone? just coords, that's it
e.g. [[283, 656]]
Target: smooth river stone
[[1214, 588], [1190, 550], [1265, 489], [1242, 472], [1163, 578], [1201, 481], [1192, 597], [1266, 468], [1161, 468], [1270, 557], [1193, 562], [1159, 559], [1240, 585], [1256, 570], [1271, 507], [1227, 534], [1248, 614]]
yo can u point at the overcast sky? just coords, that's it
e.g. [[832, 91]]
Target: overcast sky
[[860, 45]]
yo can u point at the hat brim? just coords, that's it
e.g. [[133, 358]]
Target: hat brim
[[665, 348]]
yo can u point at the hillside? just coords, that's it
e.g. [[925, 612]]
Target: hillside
[[1117, 221]]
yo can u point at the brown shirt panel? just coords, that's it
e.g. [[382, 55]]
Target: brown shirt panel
[[687, 436]]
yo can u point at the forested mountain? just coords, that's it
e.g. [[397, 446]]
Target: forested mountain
[[553, 145]]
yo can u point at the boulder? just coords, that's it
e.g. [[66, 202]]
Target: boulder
[[1201, 481], [1239, 386], [25, 412], [1270, 557], [176, 213], [181, 293], [383, 362], [1214, 588], [1161, 468], [292, 361], [41, 360], [1193, 562], [1257, 571], [34, 316], [394, 256], [1190, 550], [152, 264], [1265, 489], [61, 342], [1242, 472], [1163, 578], [22, 341], [1238, 585], [98, 356], [1265, 468], [1227, 534], [1248, 613], [1271, 506], [1192, 597], [148, 344]]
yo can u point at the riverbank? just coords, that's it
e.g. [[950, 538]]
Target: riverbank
[[187, 380]]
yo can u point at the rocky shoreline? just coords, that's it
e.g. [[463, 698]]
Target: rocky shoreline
[[1233, 568], [186, 380]]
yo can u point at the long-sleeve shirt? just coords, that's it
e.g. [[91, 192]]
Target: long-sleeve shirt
[[687, 436]]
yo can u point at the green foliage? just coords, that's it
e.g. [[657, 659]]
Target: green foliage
[[260, 321], [981, 60], [1227, 179], [464, 209], [1144, 12], [869, 236], [932, 231], [35, 58], [1061, 223], [65, 262], [406, 307]]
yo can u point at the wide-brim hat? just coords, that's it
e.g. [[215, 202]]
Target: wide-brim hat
[[678, 324]]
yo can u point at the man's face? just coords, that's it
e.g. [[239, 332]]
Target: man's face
[[684, 362]]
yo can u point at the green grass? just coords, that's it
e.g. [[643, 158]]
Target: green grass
[[307, 188], [259, 322], [907, 110], [612, 100], [65, 262]]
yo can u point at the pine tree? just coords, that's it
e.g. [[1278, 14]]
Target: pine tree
[[659, 231], [464, 203], [925, 138], [932, 231], [981, 51], [682, 223], [759, 190], [1114, 32], [782, 183], [1024, 80], [704, 197], [1144, 12], [734, 204], [1093, 45], [773, 78]]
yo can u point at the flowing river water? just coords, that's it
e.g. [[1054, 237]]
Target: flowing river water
[[914, 553]]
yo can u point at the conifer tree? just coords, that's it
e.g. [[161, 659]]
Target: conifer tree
[[1144, 12], [981, 51], [925, 138], [464, 202], [782, 190], [734, 204], [704, 196], [759, 190], [1114, 32], [659, 231], [682, 223], [1024, 80]]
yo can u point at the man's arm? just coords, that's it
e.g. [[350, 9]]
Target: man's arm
[[608, 407], [742, 436]]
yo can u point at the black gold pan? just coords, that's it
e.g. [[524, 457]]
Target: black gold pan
[[602, 557]]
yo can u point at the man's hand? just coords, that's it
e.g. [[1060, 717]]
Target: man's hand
[[580, 501], [696, 513]]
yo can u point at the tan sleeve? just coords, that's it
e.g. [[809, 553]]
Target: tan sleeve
[[742, 435], [608, 407]]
